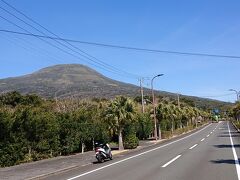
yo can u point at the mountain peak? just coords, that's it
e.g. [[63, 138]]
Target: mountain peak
[[65, 68], [66, 80]]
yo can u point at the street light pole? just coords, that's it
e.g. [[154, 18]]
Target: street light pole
[[141, 89], [237, 93], [154, 109], [178, 100]]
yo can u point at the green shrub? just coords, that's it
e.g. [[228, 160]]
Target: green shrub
[[178, 131], [166, 134], [131, 141], [144, 126]]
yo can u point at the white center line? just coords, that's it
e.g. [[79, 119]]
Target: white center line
[[202, 139], [210, 132], [174, 159], [193, 146], [234, 154], [208, 135]]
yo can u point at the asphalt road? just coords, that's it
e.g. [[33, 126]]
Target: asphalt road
[[208, 154]]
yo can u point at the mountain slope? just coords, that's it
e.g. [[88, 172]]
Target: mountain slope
[[66, 80], [80, 81]]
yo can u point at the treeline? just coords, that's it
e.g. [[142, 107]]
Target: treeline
[[235, 113], [32, 128]]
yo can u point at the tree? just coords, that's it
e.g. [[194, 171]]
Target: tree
[[162, 114], [168, 113], [11, 98], [144, 125], [236, 111], [7, 157], [186, 115], [119, 113], [38, 129]]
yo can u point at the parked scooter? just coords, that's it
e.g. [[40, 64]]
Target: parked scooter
[[103, 151]]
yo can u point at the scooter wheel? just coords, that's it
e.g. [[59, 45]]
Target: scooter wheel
[[110, 156], [100, 159]]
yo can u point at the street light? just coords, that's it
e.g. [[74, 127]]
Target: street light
[[237, 92], [154, 110]]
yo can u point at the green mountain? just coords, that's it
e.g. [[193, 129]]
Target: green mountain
[[67, 80], [74, 80]]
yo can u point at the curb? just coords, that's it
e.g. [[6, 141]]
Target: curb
[[55, 172], [116, 153], [119, 152], [235, 127]]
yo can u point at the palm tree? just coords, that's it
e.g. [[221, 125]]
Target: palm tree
[[179, 116], [186, 115], [163, 112], [236, 111], [119, 113]]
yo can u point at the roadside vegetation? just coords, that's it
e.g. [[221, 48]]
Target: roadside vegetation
[[235, 113], [32, 128]]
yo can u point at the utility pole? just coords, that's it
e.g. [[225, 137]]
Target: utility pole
[[237, 93], [141, 89], [178, 100]]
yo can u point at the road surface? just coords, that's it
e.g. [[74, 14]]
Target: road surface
[[208, 154]]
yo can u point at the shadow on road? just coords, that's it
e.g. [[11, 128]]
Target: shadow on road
[[224, 161], [232, 132], [226, 146], [229, 136], [96, 162]]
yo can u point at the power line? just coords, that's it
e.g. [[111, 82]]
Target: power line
[[40, 38], [30, 47], [87, 56], [71, 54], [44, 33], [126, 47], [58, 36]]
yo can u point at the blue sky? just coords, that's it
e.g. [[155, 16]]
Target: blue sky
[[202, 26]]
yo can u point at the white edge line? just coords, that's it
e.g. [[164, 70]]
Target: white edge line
[[193, 146], [234, 154], [169, 162], [202, 139], [126, 159]]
